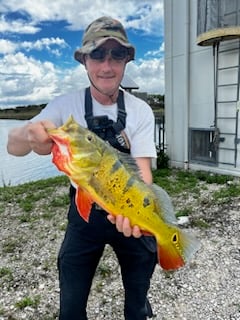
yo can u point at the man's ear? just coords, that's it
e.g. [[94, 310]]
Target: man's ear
[[84, 60]]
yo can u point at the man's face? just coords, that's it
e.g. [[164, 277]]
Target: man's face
[[106, 66]]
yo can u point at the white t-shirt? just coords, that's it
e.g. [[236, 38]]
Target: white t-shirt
[[139, 121]]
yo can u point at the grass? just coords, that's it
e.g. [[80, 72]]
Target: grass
[[28, 194], [11, 245], [185, 184], [174, 181], [200, 223], [6, 273], [185, 212], [226, 194], [177, 181], [32, 191], [28, 302]]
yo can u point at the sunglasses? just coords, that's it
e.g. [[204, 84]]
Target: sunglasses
[[118, 54]]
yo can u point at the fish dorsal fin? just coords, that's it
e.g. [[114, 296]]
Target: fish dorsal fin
[[165, 203], [125, 159], [84, 203]]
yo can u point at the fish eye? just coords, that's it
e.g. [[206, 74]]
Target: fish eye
[[174, 238], [90, 137]]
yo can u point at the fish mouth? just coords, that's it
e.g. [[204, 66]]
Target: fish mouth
[[61, 152]]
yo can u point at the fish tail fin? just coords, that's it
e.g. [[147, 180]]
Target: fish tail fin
[[176, 252]]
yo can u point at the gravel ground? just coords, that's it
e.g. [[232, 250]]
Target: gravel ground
[[208, 288]]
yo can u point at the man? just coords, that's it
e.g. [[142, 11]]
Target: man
[[128, 124]]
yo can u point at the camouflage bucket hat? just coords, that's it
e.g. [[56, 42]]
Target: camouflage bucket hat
[[98, 32]]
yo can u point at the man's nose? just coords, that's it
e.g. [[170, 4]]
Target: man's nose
[[107, 61]]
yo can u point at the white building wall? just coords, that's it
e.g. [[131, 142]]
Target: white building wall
[[175, 80], [189, 84]]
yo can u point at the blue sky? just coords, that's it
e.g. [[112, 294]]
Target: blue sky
[[38, 39]]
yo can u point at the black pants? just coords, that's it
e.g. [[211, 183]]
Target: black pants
[[79, 256]]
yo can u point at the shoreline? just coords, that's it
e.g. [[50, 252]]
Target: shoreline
[[21, 113]]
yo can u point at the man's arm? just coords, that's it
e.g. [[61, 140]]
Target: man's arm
[[31, 137], [145, 168]]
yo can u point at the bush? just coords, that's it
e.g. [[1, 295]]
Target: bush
[[162, 160]]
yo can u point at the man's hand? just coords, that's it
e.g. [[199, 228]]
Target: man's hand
[[38, 138], [30, 137], [123, 225]]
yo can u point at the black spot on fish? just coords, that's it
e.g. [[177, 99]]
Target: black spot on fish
[[115, 166], [146, 202], [129, 203], [129, 183]]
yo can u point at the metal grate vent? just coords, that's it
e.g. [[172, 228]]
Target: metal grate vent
[[203, 146]]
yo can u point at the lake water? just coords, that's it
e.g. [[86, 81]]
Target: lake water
[[18, 170]]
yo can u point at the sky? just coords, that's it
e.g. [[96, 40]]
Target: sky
[[38, 40]]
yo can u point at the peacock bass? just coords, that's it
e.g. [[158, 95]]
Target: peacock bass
[[104, 176]]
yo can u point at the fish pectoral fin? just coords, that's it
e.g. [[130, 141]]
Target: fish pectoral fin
[[84, 203]]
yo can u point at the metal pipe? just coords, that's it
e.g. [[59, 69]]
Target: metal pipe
[[187, 85]]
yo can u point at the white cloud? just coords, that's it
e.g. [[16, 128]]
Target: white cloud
[[143, 15], [148, 74], [156, 53], [73, 79], [148, 17], [44, 43], [7, 46], [19, 26], [26, 80]]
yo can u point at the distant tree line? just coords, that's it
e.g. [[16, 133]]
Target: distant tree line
[[28, 108], [21, 112], [156, 101]]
